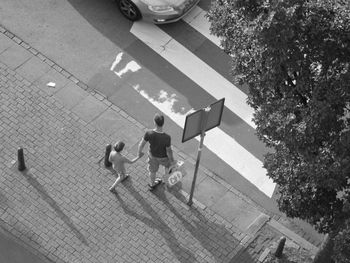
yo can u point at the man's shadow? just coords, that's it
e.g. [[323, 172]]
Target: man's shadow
[[214, 237], [182, 254]]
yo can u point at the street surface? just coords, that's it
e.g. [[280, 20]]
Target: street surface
[[176, 69], [60, 205]]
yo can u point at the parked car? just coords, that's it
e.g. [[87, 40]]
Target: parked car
[[156, 11]]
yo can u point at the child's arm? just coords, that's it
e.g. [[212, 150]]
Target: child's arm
[[133, 160]]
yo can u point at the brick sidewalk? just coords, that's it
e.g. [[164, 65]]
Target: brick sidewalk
[[61, 205]]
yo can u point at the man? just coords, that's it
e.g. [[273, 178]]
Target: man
[[160, 152]]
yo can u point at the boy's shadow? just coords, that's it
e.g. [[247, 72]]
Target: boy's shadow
[[182, 254]]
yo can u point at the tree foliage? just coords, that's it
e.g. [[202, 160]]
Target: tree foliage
[[342, 244], [295, 57]]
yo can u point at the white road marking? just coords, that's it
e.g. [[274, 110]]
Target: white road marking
[[130, 66], [118, 58], [194, 68], [196, 18], [217, 141]]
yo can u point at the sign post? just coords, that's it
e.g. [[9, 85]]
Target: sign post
[[197, 123], [204, 119]]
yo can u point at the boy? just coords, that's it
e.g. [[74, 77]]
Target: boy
[[118, 160]]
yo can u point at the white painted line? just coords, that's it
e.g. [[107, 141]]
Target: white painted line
[[196, 18], [230, 151], [217, 141], [194, 68]]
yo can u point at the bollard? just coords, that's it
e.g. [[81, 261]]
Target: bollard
[[20, 158], [280, 247], [108, 151]]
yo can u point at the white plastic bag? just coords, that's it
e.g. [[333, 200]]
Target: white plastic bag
[[175, 173]]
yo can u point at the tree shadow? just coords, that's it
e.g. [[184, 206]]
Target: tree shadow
[[214, 237], [182, 254], [48, 199]]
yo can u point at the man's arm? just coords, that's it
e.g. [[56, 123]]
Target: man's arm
[[169, 153], [141, 146], [127, 160]]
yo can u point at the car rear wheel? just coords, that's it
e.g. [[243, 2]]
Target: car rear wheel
[[129, 10]]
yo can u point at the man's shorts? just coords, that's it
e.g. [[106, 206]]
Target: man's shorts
[[154, 162]]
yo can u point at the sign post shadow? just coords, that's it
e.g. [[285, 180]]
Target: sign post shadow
[[197, 123]]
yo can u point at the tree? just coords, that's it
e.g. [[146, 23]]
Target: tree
[[295, 56]]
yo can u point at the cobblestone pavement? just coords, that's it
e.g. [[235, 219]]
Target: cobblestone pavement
[[60, 205]]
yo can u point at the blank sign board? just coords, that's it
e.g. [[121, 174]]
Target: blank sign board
[[193, 121]]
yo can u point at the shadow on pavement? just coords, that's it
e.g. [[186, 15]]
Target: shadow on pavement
[[48, 199], [181, 253], [208, 233], [213, 237]]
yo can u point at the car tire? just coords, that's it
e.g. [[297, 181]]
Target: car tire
[[129, 10]]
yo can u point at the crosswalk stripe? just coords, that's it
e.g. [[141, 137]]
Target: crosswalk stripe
[[225, 147], [194, 68], [196, 18]]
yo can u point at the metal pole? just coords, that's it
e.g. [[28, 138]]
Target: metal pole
[[204, 119]]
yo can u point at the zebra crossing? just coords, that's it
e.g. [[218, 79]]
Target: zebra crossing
[[197, 20], [223, 141]]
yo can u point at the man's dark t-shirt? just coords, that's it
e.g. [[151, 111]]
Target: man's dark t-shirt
[[158, 143]]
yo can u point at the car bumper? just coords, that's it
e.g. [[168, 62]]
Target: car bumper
[[170, 17]]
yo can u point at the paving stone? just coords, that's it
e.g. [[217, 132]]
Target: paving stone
[[17, 40], [5, 43], [70, 95], [33, 69], [209, 192], [89, 108], [14, 56], [25, 45], [188, 179], [9, 34], [111, 123], [237, 206], [51, 76]]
